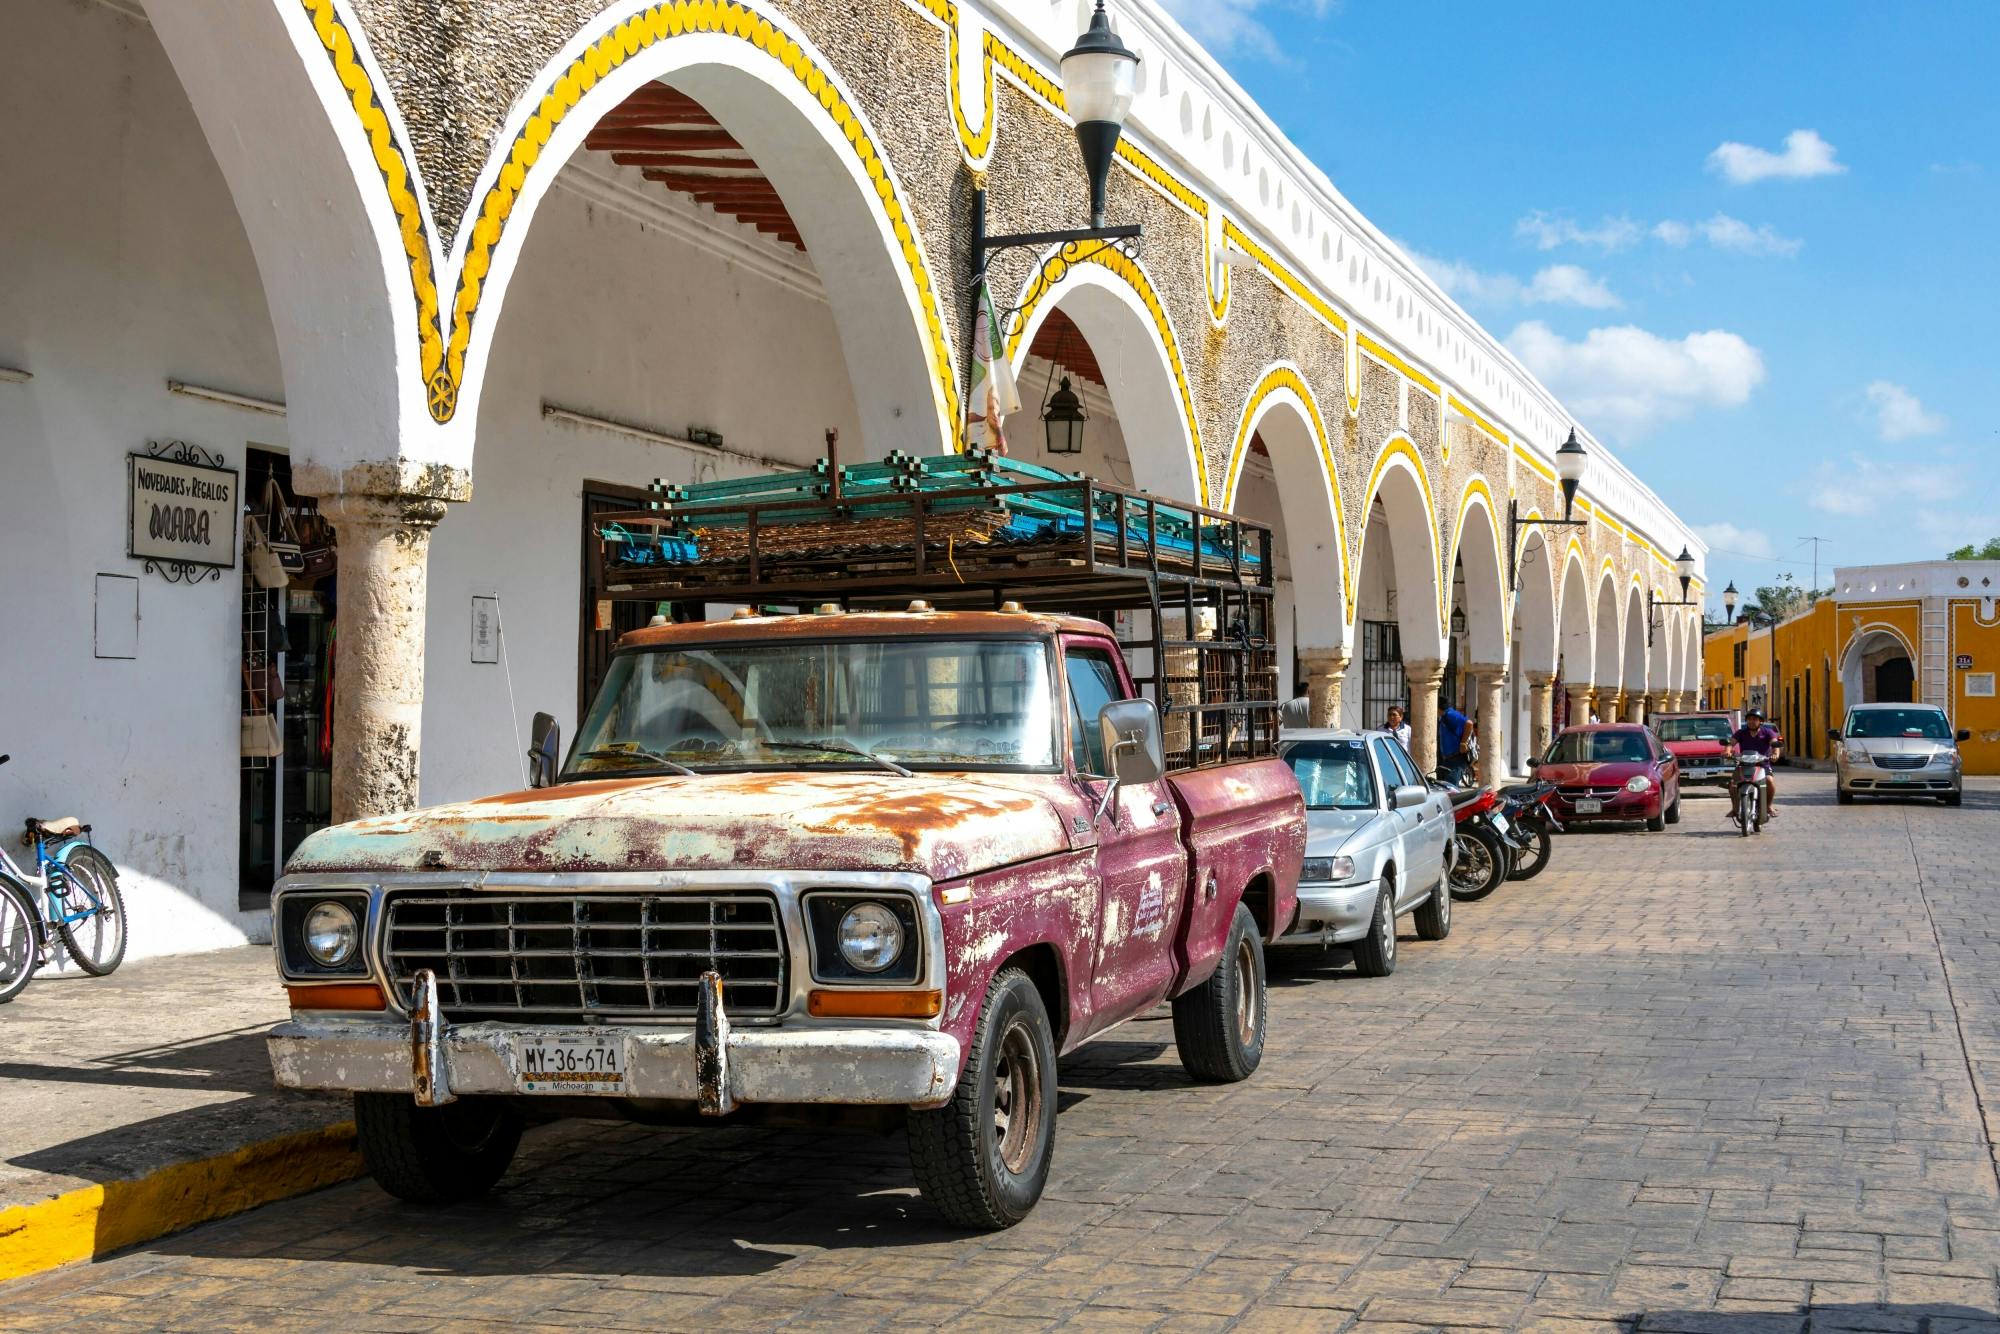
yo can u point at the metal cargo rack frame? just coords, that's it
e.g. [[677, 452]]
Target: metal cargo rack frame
[[866, 541]]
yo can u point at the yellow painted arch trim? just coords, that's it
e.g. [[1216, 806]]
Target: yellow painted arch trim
[[1401, 446], [1135, 278], [1476, 490], [442, 356], [1275, 380]]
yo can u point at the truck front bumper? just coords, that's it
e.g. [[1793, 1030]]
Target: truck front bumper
[[902, 1066]]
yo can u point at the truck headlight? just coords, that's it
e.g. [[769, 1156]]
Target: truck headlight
[[330, 933], [1639, 783], [871, 939], [1318, 869]]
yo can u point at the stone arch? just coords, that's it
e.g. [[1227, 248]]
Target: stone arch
[[1535, 621], [1476, 548], [1663, 631], [1401, 483], [1283, 411], [1877, 660], [1121, 316], [786, 105], [1692, 652], [1610, 642], [1576, 633], [1635, 656]]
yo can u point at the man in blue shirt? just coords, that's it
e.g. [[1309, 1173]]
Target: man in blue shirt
[[1456, 733]]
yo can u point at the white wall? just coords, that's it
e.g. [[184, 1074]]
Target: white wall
[[122, 264], [626, 322]]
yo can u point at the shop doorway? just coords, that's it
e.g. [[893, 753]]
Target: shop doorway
[[285, 684]]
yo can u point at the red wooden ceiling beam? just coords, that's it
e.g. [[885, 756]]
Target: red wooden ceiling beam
[[661, 141], [685, 160]]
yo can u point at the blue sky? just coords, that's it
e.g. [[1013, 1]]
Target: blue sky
[[1753, 247]]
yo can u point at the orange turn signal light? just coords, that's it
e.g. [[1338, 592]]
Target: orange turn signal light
[[874, 1004], [338, 996]]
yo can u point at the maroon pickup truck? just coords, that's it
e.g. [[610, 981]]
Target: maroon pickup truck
[[824, 867]]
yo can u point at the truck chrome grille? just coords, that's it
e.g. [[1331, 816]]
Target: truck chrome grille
[[556, 957]]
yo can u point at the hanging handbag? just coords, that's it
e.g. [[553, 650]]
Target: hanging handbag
[[262, 737], [263, 563], [316, 557], [281, 533]]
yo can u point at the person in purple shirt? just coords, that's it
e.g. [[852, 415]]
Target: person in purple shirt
[[1757, 738]]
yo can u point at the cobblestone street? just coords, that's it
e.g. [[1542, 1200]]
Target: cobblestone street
[[1682, 1081]]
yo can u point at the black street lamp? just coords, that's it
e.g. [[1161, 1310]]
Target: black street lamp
[[1572, 463], [1100, 74], [1729, 601], [1685, 564], [1063, 420]]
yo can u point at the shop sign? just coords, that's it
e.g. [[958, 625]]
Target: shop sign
[[181, 509]]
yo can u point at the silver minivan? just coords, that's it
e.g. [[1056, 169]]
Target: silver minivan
[[1898, 750]]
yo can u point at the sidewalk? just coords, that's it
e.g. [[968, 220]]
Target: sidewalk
[[141, 1103]]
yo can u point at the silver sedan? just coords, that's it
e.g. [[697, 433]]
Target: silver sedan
[[1377, 840]]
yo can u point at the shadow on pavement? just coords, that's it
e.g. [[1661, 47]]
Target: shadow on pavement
[[1924, 1318], [223, 1063]]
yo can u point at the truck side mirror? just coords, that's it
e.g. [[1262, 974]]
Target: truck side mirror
[[544, 751], [1833, 735], [1534, 761], [1964, 735], [1130, 730]]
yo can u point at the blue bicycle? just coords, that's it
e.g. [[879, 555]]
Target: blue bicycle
[[85, 911]]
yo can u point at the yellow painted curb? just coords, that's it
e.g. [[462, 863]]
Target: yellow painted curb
[[96, 1220]]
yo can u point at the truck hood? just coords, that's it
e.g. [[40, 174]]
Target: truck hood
[[1697, 750], [944, 826]]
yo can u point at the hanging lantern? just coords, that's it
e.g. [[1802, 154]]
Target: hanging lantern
[[1063, 418]]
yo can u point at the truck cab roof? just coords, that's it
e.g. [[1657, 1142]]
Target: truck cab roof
[[836, 624]]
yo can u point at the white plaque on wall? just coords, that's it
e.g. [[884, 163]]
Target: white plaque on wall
[[485, 629], [181, 511]]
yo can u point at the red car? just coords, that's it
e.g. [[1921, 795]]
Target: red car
[[1613, 771], [1700, 740]]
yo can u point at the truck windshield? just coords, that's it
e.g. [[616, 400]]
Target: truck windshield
[[1711, 728], [1333, 775], [919, 703]]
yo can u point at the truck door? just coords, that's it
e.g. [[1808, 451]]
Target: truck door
[[1142, 864]]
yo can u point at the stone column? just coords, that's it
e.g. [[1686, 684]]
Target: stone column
[[1425, 675], [1642, 707], [1541, 710], [1611, 707], [378, 678], [1325, 669], [1489, 709], [1580, 700]]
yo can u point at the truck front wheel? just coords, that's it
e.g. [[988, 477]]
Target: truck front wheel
[[1219, 1025], [983, 1158], [435, 1155]]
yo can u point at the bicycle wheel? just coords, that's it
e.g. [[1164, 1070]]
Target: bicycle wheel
[[18, 931], [92, 925]]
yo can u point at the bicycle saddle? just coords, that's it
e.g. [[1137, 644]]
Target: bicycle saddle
[[64, 827]]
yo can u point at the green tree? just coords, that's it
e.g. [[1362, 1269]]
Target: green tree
[[1991, 551]]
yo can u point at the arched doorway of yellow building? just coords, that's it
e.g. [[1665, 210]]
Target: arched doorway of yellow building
[[1878, 668]]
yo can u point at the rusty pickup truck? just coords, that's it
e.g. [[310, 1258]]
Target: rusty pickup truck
[[828, 867]]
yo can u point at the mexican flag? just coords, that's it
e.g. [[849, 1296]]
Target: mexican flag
[[994, 396]]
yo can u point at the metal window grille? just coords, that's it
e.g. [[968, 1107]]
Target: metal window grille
[[1383, 680]]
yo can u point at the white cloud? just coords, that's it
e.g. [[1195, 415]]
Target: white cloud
[[1568, 285], [1900, 414], [1806, 155], [1555, 285], [1549, 230], [1727, 538], [1625, 380], [1675, 234], [1727, 233], [1231, 25], [1862, 486]]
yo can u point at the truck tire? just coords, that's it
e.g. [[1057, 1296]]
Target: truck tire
[[1375, 953], [435, 1155], [983, 1158], [1219, 1025]]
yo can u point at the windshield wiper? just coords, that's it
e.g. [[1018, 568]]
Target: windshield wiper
[[639, 753], [837, 748]]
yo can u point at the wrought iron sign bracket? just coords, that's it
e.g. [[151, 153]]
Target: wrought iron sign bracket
[[1515, 523], [1072, 247], [1654, 604]]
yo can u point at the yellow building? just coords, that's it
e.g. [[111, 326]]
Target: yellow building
[[1927, 631]]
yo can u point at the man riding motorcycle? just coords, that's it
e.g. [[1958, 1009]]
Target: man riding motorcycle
[[1756, 738]]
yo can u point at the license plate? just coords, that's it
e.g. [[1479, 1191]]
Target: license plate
[[568, 1063], [1902, 778], [1500, 823], [1589, 806]]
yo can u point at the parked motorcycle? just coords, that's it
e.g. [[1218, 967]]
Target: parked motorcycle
[[1483, 855], [1530, 813], [1752, 772]]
